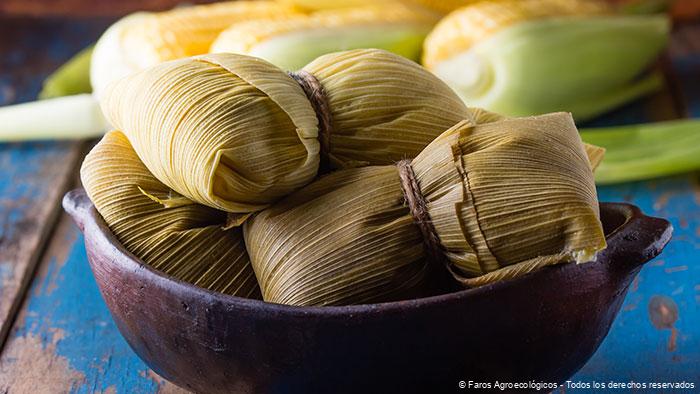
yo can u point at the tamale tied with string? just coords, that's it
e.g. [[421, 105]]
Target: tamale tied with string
[[489, 201], [185, 240], [236, 133], [229, 131]]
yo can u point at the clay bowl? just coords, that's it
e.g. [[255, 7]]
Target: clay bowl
[[542, 326]]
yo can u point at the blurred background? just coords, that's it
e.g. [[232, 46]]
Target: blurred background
[[56, 334]]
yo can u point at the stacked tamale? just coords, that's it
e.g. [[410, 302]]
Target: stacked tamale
[[359, 178]]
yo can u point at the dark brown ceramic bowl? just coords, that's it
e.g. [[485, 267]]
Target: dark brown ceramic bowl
[[542, 326]]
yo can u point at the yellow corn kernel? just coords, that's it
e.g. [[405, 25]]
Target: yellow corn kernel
[[190, 31]]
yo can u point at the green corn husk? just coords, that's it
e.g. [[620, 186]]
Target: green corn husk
[[646, 151], [292, 42], [536, 56], [505, 198], [69, 117], [71, 78], [645, 6], [236, 133], [185, 240]]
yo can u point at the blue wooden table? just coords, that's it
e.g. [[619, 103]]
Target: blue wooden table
[[56, 334]]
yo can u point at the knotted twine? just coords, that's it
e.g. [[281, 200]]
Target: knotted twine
[[319, 101], [419, 211], [411, 190]]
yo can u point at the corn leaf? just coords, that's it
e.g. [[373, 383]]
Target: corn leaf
[[71, 78], [585, 65], [646, 151], [69, 117]]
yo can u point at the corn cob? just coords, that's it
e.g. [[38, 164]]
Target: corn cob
[[534, 56], [292, 42], [143, 39], [435, 5], [471, 25]]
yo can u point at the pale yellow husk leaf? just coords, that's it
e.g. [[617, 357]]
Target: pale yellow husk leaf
[[474, 23], [505, 198], [228, 131], [185, 241]]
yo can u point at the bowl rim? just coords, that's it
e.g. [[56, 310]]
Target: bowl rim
[[79, 206]]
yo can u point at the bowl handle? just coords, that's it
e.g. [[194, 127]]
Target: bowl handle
[[77, 204], [638, 239]]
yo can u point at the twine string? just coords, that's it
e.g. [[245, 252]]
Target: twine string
[[319, 101], [419, 210]]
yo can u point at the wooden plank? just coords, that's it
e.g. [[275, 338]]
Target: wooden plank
[[33, 176], [64, 339]]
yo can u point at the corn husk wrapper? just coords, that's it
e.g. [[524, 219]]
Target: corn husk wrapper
[[292, 42], [236, 133], [184, 240], [144, 39], [228, 131], [525, 57], [505, 198]]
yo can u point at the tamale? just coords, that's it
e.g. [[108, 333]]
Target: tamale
[[292, 42], [143, 39], [184, 240], [490, 202], [236, 133], [229, 131]]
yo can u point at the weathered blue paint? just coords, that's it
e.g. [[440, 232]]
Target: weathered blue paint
[[635, 349], [32, 175], [21, 190], [65, 299]]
